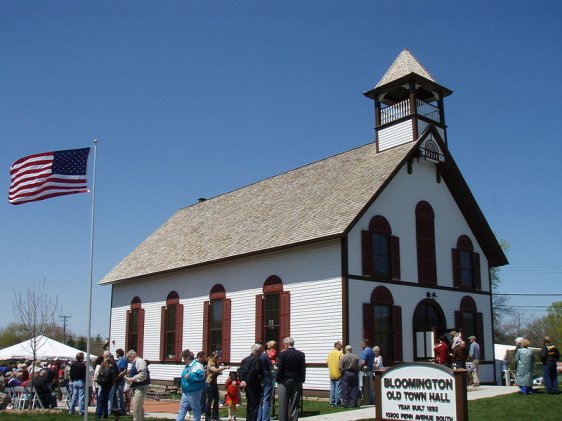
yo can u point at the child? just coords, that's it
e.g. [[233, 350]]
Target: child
[[232, 395]]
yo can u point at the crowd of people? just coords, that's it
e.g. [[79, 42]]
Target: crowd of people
[[352, 375], [456, 354], [254, 377], [119, 385], [525, 366]]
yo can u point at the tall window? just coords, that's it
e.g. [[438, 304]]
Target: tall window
[[216, 323], [134, 337], [470, 322], [425, 242], [466, 265], [273, 308], [382, 325], [171, 328], [381, 251]]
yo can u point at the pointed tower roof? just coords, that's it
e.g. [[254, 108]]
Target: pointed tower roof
[[404, 64], [406, 67]]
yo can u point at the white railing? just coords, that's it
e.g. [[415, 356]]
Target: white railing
[[396, 111], [402, 109]]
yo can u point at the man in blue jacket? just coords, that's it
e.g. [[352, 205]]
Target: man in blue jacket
[[192, 384]]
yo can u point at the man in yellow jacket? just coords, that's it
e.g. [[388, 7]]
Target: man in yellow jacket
[[333, 362]]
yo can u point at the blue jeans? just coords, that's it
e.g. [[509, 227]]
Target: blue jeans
[[265, 403], [78, 395], [102, 402], [119, 396], [550, 377], [193, 400], [212, 394], [335, 392]]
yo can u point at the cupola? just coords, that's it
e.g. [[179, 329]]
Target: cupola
[[408, 104]]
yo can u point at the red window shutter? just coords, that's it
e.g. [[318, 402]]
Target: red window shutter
[[459, 321], [141, 332], [163, 334], [179, 332], [395, 257], [397, 327], [367, 250], [206, 309], [127, 331], [476, 271], [369, 322], [456, 268], [480, 333], [259, 317], [284, 315], [226, 308]]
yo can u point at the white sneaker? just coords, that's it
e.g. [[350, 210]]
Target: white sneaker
[[188, 415]]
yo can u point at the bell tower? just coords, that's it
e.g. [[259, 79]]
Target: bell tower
[[408, 105]]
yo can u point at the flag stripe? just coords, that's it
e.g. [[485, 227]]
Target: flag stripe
[[42, 176]]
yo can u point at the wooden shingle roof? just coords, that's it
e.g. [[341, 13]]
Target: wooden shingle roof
[[403, 65], [317, 201]]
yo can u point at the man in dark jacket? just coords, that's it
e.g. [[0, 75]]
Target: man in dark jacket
[[549, 357], [291, 374], [250, 373]]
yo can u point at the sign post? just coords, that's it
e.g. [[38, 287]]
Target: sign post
[[421, 391]]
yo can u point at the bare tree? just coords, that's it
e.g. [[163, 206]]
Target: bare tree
[[34, 312]]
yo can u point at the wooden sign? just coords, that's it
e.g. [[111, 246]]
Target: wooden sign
[[421, 391]]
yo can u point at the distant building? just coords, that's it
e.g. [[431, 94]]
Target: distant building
[[384, 241]]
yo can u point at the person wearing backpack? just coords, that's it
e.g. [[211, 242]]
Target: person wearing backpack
[[105, 379], [192, 384]]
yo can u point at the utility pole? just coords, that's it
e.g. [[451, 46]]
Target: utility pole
[[64, 318]]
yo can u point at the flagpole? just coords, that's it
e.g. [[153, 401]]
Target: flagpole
[[88, 362]]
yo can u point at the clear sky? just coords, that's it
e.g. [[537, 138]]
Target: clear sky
[[193, 99]]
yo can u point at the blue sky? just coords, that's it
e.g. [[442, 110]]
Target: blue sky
[[193, 99]]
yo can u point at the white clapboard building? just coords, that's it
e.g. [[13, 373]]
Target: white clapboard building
[[384, 241]]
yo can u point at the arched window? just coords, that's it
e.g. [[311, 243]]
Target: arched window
[[425, 242], [216, 323], [382, 324], [273, 312], [428, 324], [134, 338], [470, 322], [171, 331], [466, 265], [381, 251]]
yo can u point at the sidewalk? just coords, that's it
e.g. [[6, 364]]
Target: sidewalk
[[364, 412]]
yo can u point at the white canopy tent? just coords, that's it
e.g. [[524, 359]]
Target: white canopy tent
[[46, 348]]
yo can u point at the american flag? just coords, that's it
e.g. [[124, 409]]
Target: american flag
[[50, 174]]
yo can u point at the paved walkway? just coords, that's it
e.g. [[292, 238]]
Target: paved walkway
[[155, 409]]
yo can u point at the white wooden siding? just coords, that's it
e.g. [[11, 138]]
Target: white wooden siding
[[395, 135], [408, 298], [311, 273], [397, 203]]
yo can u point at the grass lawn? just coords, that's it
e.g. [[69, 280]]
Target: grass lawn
[[310, 408], [539, 406]]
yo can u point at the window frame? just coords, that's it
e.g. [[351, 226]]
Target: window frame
[[466, 248], [217, 295], [172, 305], [379, 226], [137, 311], [273, 285]]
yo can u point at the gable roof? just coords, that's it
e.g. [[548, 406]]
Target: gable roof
[[310, 203], [319, 201]]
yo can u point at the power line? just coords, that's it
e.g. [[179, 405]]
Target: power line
[[542, 294]]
